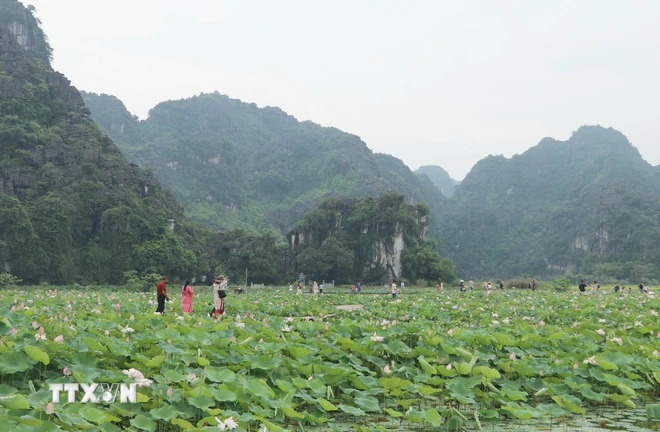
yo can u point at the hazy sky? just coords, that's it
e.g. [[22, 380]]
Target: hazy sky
[[431, 82]]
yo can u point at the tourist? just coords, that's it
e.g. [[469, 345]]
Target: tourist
[[393, 287], [582, 287], [219, 294], [187, 294], [161, 295]]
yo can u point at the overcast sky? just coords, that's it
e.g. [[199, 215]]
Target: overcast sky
[[430, 82]]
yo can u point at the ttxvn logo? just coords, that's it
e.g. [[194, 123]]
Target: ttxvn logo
[[95, 393]]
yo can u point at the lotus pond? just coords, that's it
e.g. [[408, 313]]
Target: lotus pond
[[427, 361]]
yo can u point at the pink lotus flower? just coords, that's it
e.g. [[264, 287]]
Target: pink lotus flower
[[656, 353], [541, 323], [35, 324], [50, 408], [450, 332], [387, 369], [448, 367], [617, 340], [59, 339], [14, 331], [107, 332], [66, 371], [512, 356], [601, 332], [170, 391], [138, 377], [117, 306]]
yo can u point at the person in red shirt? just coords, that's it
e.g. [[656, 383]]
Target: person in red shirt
[[161, 292]]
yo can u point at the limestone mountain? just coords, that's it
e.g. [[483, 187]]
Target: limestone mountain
[[232, 164], [589, 205], [72, 208], [440, 178]]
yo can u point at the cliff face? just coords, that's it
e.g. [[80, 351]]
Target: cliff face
[[372, 234]]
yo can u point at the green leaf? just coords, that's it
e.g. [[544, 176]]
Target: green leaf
[[393, 413], [326, 405], [220, 375], [96, 416], [166, 412], [201, 402], [224, 395], [265, 362], [15, 402], [426, 366], [487, 372], [144, 423], [367, 403], [37, 354], [291, 413], [433, 417], [569, 402], [183, 424], [259, 388], [357, 412], [15, 361], [156, 362]]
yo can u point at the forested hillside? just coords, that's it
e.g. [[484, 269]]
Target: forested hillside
[[234, 165], [72, 209], [589, 205]]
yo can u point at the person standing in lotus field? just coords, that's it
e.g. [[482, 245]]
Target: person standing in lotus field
[[161, 294], [187, 294], [219, 293]]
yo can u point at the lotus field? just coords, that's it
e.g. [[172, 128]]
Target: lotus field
[[281, 361]]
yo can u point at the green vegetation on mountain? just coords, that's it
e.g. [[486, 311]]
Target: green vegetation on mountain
[[589, 205], [234, 165], [72, 209]]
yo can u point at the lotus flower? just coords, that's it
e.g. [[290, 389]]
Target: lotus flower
[[450, 332], [590, 360], [512, 356], [59, 339], [138, 377], [601, 332], [387, 369], [377, 338], [50, 408], [617, 340], [66, 371]]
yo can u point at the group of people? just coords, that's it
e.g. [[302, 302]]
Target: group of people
[[188, 293], [488, 285], [595, 287]]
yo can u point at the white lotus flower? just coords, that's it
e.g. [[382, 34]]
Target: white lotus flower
[[377, 338]]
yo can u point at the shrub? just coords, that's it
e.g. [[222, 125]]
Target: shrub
[[7, 280]]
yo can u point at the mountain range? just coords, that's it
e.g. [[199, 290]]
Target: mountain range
[[115, 194]]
